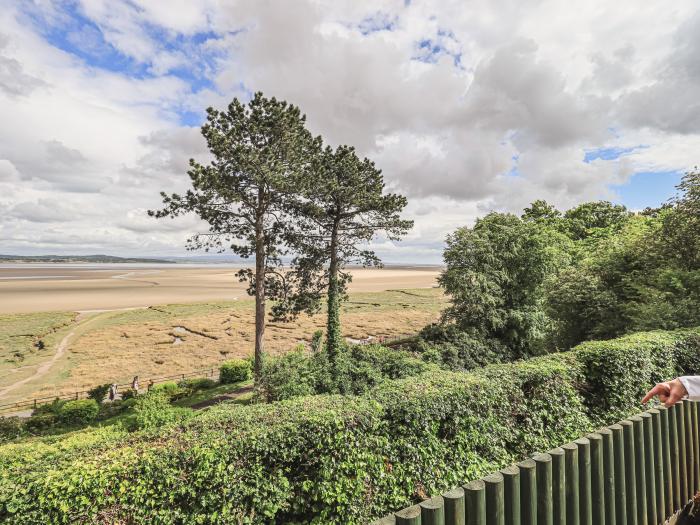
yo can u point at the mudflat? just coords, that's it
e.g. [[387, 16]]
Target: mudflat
[[43, 288]]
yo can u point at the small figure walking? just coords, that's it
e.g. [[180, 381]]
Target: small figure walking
[[112, 391], [150, 384], [135, 384]]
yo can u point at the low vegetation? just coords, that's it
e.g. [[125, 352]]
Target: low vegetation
[[337, 459]]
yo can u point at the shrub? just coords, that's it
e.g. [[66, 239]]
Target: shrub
[[49, 408], [196, 384], [99, 392], [169, 389], [129, 393], [10, 428], [337, 459], [78, 412], [455, 349], [234, 371], [40, 422], [154, 410]]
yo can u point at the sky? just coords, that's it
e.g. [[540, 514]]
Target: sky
[[467, 106]]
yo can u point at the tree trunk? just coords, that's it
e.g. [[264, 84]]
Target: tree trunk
[[333, 326], [259, 290]]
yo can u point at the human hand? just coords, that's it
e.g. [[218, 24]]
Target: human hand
[[669, 393]]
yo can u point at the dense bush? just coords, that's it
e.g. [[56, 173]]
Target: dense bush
[[79, 411], [169, 389], [99, 392], [336, 459], [154, 410], [235, 370], [196, 384], [129, 393], [10, 428]]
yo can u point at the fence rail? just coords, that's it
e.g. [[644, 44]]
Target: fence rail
[[640, 471], [27, 404]]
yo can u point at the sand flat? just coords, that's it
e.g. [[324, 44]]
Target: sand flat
[[64, 288]]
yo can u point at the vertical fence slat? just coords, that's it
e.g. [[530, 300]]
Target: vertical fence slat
[[649, 468], [433, 511], [619, 468], [572, 476], [454, 507], [584, 481], [511, 487], [640, 470], [528, 492], [666, 459], [409, 516], [597, 479], [674, 446], [475, 502], [690, 449], [495, 511], [682, 453], [696, 442], [659, 466], [558, 485], [609, 481], [545, 503], [630, 471]]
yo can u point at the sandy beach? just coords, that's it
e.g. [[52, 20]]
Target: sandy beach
[[37, 288]]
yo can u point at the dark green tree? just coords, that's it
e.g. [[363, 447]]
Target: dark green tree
[[590, 217], [682, 224], [345, 207], [260, 151], [495, 277]]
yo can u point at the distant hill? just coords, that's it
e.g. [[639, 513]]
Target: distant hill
[[78, 259]]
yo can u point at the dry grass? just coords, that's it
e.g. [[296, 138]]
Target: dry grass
[[172, 339]]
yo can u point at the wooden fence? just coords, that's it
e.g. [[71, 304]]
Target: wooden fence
[[639, 471]]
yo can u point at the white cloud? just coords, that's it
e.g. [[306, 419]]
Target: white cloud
[[466, 107]]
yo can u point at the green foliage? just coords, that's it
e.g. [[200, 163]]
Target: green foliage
[[99, 392], [169, 389], [79, 411], [129, 393], [234, 371], [153, 410], [495, 275], [10, 428], [196, 384], [337, 459]]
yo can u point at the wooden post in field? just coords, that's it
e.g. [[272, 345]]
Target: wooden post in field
[[454, 507], [511, 489], [475, 502], [573, 514], [433, 511]]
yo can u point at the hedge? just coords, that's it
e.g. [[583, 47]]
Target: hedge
[[235, 370], [335, 459]]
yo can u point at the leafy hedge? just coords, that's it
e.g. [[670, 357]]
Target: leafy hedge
[[335, 459]]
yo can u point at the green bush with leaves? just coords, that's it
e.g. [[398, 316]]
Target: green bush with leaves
[[169, 389], [337, 459], [10, 428], [79, 411], [196, 384], [154, 410], [235, 371], [99, 392]]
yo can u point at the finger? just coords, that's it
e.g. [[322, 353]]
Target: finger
[[660, 388]]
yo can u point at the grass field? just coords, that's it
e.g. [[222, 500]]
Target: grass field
[[169, 339]]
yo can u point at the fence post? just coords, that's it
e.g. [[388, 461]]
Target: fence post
[[661, 480], [545, 505], [689, 449], [696, 444], [630, 471], [511, 488], [682, 454], [584, 480], [649, 468], [620, 485], [668, 473], [495, 507], [597, 479], [609, 481], [454, 507], [475, 502], [433, 511], [572, 477], [528, 492], [640, 470], [558, 485], [673, 452], [409, 516]]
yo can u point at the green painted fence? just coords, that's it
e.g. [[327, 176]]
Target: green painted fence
[[639, 471]]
